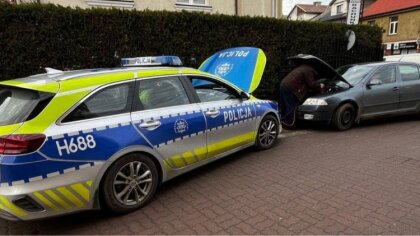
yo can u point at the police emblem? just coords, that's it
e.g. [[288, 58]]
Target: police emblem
[[181, 126], [224, 69]]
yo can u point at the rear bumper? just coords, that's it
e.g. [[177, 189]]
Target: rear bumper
[[56, 195]]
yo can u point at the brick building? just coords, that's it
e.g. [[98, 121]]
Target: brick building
[[400, 21]]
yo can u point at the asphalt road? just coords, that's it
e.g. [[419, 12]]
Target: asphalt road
[[315, 181]]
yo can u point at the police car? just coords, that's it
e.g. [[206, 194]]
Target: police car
[[106, 138]]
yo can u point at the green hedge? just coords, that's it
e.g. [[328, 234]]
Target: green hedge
[[36, 36]]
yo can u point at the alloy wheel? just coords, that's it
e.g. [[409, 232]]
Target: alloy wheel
[[133, 183], [267, 133]]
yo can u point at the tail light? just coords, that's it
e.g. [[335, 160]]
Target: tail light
[[20, 143]]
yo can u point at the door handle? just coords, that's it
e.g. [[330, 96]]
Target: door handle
[[395, 89], [150, 125], [213, 113]]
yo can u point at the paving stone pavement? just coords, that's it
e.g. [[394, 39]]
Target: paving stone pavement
[[363, 181]]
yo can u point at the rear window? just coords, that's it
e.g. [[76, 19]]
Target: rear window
[[19, 105], [409, 72], [109, 101]]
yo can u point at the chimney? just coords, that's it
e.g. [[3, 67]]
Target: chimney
[[317, 3]]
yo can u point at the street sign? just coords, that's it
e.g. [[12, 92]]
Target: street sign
[[353, 13], [411, 45]]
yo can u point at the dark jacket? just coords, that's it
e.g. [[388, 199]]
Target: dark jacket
[[302, 80]]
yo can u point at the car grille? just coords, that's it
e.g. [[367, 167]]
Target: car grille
[[28, 204]]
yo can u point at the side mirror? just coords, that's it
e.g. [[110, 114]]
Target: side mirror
[[374, 82], [245, 96]]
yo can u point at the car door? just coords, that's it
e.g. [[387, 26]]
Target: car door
[[169, 121], [231, 121], [97, 128], [410, 87], [381, 93]]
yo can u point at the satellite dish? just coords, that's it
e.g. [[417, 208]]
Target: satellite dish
[[351, 38]]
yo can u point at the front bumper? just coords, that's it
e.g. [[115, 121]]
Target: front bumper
[[315, 113], [56, 195]]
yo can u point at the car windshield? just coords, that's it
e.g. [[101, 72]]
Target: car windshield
[[354, 73], [18, 105]]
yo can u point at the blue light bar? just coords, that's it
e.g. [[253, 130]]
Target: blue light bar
[[151, 61]]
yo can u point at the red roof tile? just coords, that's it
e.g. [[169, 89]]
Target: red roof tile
[[310, 8], [387, 6]]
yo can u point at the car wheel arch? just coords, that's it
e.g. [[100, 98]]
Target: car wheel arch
[[270, 112], [133, 150], [354, 104]]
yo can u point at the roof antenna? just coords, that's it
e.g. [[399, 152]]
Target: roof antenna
[[52, 71]]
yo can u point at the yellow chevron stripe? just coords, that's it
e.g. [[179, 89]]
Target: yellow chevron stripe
[[89, 182], [16, 210], [57, 199], [46, 201], [178, 161], [227, 144], [70, 196], [189, 158], [201, 153], [82, 191], [167, 164]]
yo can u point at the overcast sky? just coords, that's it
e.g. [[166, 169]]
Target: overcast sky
[[289, 4]]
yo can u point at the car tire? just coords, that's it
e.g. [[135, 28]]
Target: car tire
[[130, 183], [344, 117], [268, 131]]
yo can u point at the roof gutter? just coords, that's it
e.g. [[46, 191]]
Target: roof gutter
[[404, 10]]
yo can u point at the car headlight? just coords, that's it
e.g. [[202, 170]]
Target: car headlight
[[315, 102]]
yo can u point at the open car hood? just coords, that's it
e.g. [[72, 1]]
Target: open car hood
[[324, 69], [242, 66]]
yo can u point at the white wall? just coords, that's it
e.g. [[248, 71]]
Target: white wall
[[293, 15], [305, 16], [339, 2], [246, 7]]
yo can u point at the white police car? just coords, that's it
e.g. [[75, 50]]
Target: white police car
[[71, 139]]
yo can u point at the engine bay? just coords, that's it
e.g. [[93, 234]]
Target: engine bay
[[332, 86]]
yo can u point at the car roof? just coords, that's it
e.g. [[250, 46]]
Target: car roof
[[381, 63], [89, 79]]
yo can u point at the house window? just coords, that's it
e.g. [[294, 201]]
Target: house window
[[371, 22], [192, 2], [340, 9], [393, 25], [111, 3], [193, 5]]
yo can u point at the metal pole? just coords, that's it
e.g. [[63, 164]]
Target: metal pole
[[362, 9]]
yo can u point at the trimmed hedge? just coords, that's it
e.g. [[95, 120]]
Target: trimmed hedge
[[35, 36]]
